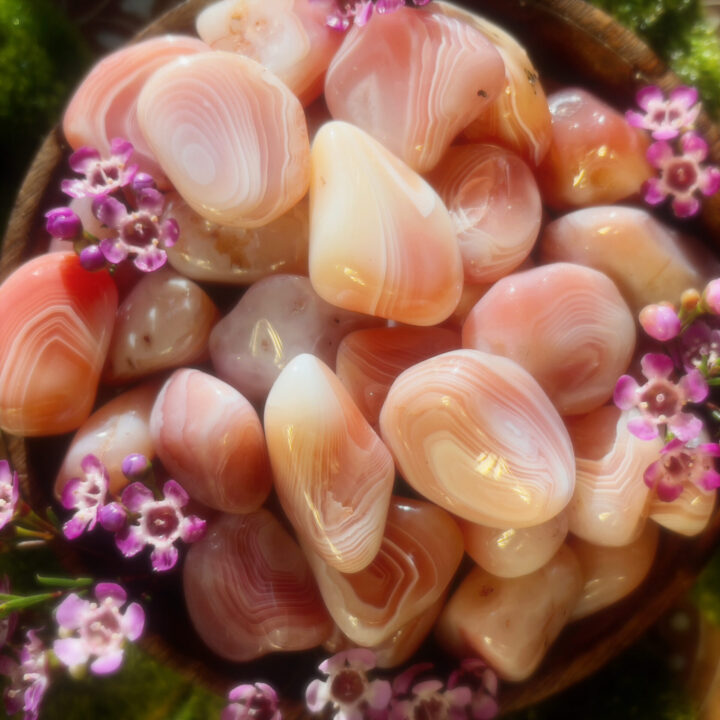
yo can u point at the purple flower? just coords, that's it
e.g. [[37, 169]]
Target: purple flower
[[428, 698], [252, 702], [99, 630], [681, 176], [28, 680], [660, 401], [8, 623], [92, 258], [665, 118], [712, 296], [347, 687], [359, 12], [102, 177], [660, 322], [474, 673], [85, 495], [9, 493], [159, 523], [63, 223], [700, 345], [679, 465], [140, 233]]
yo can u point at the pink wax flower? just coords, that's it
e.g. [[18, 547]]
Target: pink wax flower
[[28, 679], [359, 13], [665, 119], [428, 697], [681, 176], [660, 401], [347, 688], [700, 346], [86, 495], [160, 523], [140, 233], [252, 702], [9, 493], [97, 629], [660, 322], [63, 223], [474, 673], [102, 177], [711, 295]]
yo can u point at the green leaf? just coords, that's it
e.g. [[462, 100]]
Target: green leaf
[[21, 602], [63, 582]]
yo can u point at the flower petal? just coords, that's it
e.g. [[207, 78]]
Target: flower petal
[[642, 428], [71, 651], [164, 559], [709, 182], [684, 96], [192, 529], [107, 663], [694, 146], [484, 707], [654, 473], [668, 491], [659, 153], [685, 207], [647, 95], [654, 192], [169, 232], [68, 497], [130, 541], [111, 590], [635, 119], [625, 395], [317, 695], [69, 613], [109, 211], [135, 495], [91, 464], [694, 386], [133, 621], [83, 159], [378, 694], [709, 481], [459, 696], [656, 365], [175, 494], [149, 259], [76, 525], [114, 249], [685, 427], [151, 200]]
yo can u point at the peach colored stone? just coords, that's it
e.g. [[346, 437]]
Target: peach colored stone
[[689, 514]]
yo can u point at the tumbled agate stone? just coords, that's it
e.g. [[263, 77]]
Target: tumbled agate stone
[[229, 135], [288, 37], [413, 80], [689, 514], [595, 156], [165, 321], [648, 261], [368, 361], [611, 500], [332, 472], [210, 440], [104, 107], [494, 203], [381, 240], [249, 590], [476, 434], [209, 252], [115, 430], [610, 574], [566, 324], [56, 320], [511, 622], [420, 551], [515, 551], [275, 320]]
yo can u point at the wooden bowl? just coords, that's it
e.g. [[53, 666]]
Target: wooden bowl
[[569, 42]]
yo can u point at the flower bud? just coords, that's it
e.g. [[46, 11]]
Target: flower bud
[[711, 294], [689, 300], [63, 223], [112, 516], [134, 466], [92, 258], [660, 322], [141, 181]]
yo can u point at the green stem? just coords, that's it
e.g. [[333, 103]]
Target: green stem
[[63, 582], [18, 602]]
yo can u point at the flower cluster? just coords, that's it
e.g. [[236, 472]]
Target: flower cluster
[[124, 201], [9, 493], [359, 12], [678, 153]]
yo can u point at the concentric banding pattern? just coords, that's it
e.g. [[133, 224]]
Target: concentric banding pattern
[[689, 514]]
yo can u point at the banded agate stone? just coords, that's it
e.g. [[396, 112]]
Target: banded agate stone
[[689, 514], [420, 551], [56, 320], [229, 135], [566, 324], [476, 434], [249, 590], [511, 622], [413, 80], [381, 240], [333, 475], [289, 37], [210, 440]]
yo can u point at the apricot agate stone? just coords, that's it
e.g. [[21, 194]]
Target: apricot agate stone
[[595, 157], [275, 320], [230, 136], [689, 514], [249, 590], [567, 325], [289, 37], [333, 474], [381, 240], [511, 622], [420, 551], [494, 203], [476, 434], [56, 320], [104, 107], [210, 440], [413, 80]]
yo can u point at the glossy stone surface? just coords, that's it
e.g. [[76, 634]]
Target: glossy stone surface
[[611, 501], [56, 320], [164, 322], [689, 514], [249, 590], [420, 552], [567, 325], [275, 320], [610, 574], [289, 37], [333, 475], [104, 106], [414, 108], [476, 434], [511, 622], [595, 157], [494, 203], [229, 135], [368, 361], [381, 240], [210, 440]]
